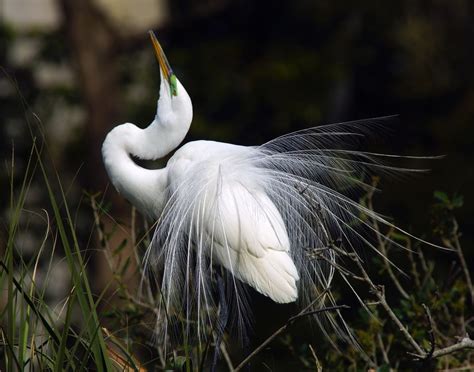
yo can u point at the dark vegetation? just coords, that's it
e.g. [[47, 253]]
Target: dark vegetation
[[71, 248]]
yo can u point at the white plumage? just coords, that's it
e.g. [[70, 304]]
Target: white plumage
[[231, 208], [267, 214]]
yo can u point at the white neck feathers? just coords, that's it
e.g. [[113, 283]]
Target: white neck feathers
[[146, 188]]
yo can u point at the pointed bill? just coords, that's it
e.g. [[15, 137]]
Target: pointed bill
[[164, 65], [160, 56]]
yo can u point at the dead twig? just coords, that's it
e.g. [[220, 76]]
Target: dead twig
[[414, 269], [430, 352], [319, 367], [381, 243], [458, 249], [383, 349], [226, 357], [317, 311], [465, 343], [302, 313], [379, 293]]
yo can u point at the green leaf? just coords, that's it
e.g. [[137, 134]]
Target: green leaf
[[441, 196]]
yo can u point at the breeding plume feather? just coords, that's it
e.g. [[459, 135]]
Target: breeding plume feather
[[271, 217]]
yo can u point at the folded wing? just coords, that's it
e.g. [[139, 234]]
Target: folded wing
[[251, 241]]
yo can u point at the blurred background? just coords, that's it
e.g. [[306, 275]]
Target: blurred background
[[255, 70]]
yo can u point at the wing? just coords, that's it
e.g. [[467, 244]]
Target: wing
[[219, 212], [270, 215], [250, 240]]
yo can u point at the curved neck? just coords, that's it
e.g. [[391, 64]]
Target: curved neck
[[168, 129], [146, 188], [143, 187]]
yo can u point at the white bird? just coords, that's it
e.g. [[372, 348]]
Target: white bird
[[267, 214]]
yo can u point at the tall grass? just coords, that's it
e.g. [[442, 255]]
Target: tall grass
[[34, 334]]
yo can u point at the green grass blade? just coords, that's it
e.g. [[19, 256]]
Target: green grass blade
[[76, 265], [67, 322], [32, 305]]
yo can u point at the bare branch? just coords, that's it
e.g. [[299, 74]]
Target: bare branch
[[430, 332], [317, 311], [465, 343], [226, 356], [319, 367], [379, 292], [414, 270], [383, 349], [302, 313], [381, 243], [457, 247]]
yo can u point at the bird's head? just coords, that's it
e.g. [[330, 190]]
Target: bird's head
[[174, 105]]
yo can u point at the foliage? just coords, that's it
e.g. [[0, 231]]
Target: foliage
[[37, 335], [76, 333], [254, 70]]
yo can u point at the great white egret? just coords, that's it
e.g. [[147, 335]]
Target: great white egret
[[266, 214]]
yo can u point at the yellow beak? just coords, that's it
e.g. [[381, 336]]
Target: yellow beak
[[160, 56]]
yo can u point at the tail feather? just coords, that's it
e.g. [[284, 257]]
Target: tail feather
[[272, 216], [273, 275]]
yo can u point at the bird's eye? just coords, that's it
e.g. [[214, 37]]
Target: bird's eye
[[173, 85]]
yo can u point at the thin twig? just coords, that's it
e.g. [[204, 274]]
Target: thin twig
[[414, 270], [317, 311], [319, 367], [139, 263], [424, 264], [379, 292], [462, 260], [383, 349], [465, 343], [107, 249], [226, 356], [302, 313], [430, 352], [381, 243], [101, 234]]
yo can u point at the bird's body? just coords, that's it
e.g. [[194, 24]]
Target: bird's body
[[235, 212], [268, 214]]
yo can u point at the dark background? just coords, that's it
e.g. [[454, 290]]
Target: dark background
[[254, 70]]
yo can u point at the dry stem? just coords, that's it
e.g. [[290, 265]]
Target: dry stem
[[457, 247], [301, 314]]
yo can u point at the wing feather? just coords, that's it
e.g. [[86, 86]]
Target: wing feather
[[270, 215], [252, 241]]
